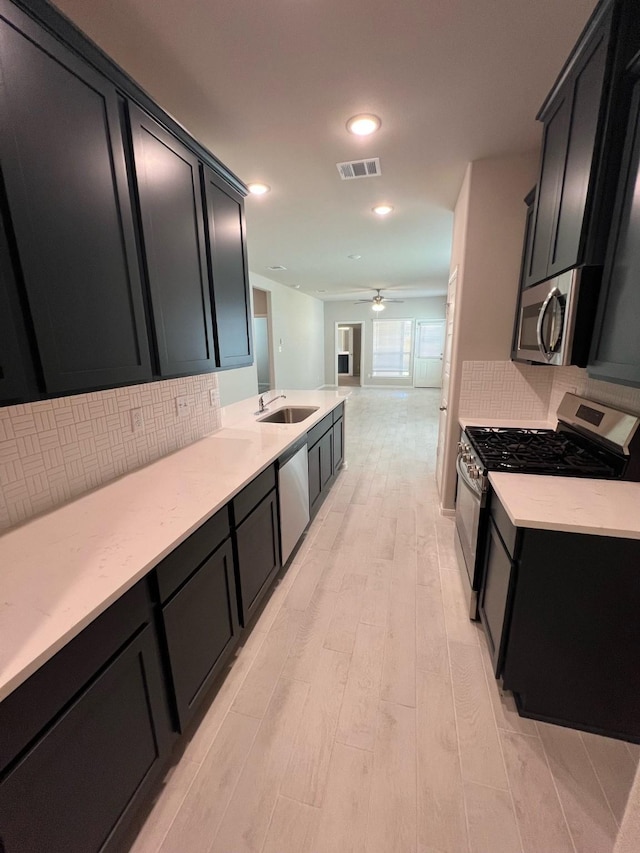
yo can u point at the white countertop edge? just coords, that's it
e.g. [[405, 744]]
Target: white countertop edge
[[69, 539], [513, 423], [570, 504]]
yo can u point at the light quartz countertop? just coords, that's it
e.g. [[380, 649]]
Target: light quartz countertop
[[517, 423], [58, 572], [572, 504]]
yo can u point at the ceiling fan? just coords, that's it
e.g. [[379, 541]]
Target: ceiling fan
[[377, 302]]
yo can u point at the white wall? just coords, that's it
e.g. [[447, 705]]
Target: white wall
[[487, 248], [298, 322], [346, 312]]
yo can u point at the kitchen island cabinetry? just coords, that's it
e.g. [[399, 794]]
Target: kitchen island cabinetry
[[615, 352], [83, 739], [582, 146], [568, 639]]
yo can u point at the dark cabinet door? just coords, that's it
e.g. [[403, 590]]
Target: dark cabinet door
[[615, 352], [315, 485], [554, 145], [17, 377], [168, 183], [201, 628], [258, 548], [65, 178], [229, 273], [494, 597], [338, 443], [571, 208], [326, 459], [73, 789]]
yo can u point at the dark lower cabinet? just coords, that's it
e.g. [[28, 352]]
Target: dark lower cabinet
[[560, 614], [615, 352], [258, 550], [499, 575], [168, 185], [338, 443], [226, 243], [76, 786], [201, 629], [65, 179], [326, 451]]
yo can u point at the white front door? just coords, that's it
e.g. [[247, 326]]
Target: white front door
[[446, 376], [427, 364]]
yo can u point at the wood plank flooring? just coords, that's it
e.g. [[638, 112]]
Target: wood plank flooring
[[361, 713]]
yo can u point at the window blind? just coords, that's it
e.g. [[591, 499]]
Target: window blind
[[392, 348]]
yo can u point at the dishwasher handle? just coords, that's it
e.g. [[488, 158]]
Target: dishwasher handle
[[291, 451]]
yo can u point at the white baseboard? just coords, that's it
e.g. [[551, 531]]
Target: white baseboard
[[448, 513]]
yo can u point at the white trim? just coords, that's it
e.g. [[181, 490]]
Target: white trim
[[360, 323], [448, 513]]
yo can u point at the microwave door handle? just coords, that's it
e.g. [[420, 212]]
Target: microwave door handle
[[544, 349]]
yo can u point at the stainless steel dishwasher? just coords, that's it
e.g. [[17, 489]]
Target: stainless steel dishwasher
[[293, 496]]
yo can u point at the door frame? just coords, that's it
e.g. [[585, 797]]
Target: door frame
[[270, 347], [416, 323], [335, 347]]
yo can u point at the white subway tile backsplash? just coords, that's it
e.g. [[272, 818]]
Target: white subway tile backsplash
[[55, 450]]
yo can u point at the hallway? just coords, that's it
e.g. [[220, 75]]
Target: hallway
[[361, 713]]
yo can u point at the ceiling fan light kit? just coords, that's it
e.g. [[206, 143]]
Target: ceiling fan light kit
[[377, 301]]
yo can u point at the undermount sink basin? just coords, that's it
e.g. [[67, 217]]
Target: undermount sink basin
[[289, 415]]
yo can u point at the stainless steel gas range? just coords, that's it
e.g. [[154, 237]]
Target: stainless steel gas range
[[590, 440]]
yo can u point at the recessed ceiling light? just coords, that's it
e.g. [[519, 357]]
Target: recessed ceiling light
[[382, 209], [363, 125], [354, 257], [258, 188]]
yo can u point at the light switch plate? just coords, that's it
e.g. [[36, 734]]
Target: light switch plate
[[182, 407]]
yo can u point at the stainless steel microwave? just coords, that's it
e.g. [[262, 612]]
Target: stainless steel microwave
[[555, 318]]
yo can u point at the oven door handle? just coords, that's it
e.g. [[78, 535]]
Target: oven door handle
[[555, 338]]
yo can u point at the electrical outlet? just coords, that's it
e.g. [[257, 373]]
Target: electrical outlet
[[213, 397], [182, 407], [137, 420]]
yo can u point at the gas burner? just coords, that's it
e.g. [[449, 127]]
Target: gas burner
[[536, 451]]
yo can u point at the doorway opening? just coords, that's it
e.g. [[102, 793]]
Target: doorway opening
[[349, 349], [263, 339]]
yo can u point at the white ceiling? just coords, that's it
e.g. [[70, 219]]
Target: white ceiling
[[267, 86]]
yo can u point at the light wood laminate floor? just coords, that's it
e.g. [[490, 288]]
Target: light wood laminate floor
[[361, 713]]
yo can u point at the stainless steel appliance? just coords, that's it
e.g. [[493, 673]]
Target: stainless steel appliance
[[293, 496], [590, 440], [555, 318]]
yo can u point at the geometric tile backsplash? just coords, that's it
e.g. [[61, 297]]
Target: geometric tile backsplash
[[504, 389], [55, 450]]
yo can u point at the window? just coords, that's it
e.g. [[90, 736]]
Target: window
[[429, 337], [392, 347]]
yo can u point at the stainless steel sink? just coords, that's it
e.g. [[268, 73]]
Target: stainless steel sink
[[289, 415]]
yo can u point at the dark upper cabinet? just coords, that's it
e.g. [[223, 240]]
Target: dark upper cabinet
[[568, 164], [65, 180], [168, 184], [582, 145], [229, 275], [615, 352], [17, 375]]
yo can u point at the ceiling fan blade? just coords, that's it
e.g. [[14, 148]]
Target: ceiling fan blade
[[393, 300], [357, 302]]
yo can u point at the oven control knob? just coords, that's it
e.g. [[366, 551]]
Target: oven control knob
[[466, 456], [460, 447], [466, 447], [474, 472]]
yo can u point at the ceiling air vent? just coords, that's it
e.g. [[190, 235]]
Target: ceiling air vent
[[359, 169], [276, 267]]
